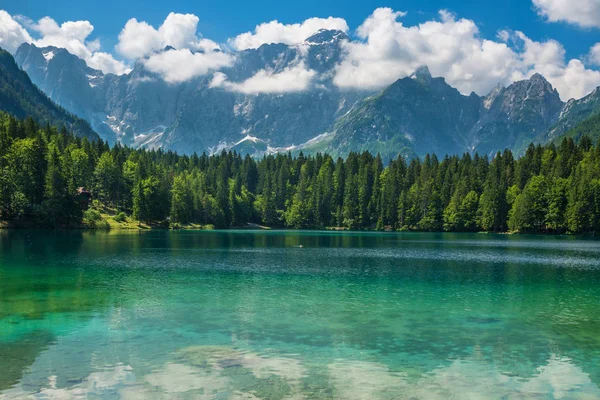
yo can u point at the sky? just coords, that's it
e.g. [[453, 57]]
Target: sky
[[474, 44]]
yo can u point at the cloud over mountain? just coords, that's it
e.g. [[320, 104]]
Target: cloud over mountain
[[139, 39], [454, 49], [276, 32], [188, 55], [572, 79], [292, 79], [181, 65], [71, 35], [451, 48], [12, 34], [383, 50]]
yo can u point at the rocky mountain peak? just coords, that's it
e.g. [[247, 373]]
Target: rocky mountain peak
[[537, 85], [492, 96], [537, 77], [535, 90], [324, 36], [422, 74]]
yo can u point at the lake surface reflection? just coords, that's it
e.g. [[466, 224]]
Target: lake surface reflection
[[298, 315]]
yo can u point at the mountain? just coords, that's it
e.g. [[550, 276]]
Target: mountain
[[413, 116], [140, 109], [422, 114], [21, 98], [589, 127], [573, 113], [513, 117]]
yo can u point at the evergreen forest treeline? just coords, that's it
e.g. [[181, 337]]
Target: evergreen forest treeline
[[553, 188]]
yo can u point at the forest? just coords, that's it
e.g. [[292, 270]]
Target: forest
[[550, 189]]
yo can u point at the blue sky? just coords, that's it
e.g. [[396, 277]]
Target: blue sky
[[474, 44], [224, 19]]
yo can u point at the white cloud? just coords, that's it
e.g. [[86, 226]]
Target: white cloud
[[385, 51], [451, 48], [106, 63], [70, 35], [572, 79], [292, 79], [276, 32], [139, 39], [503, 35], [12, 34], [594, 55], [585, 13], [181, 65], [191, 56]]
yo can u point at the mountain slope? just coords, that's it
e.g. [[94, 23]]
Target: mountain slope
[[422, 115], [21, 98], [514, 116], [414, 115], [140, 109], [573, 113], [589, 127]]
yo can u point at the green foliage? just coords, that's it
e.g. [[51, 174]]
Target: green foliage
[[120, 217], [92, 216], [150, 200], [550, 189], [588, 128], [182, 206], [530, 208], [93, 220]]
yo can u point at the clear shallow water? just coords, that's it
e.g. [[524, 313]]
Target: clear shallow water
[[245, 315]]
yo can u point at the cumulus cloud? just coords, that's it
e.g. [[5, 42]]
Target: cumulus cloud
[[188, 55], [385, 50], [572, 79], [585, 13], [106, 63], [452, 48], [292, 79], [71, 35], [12, 34], [276, 32], [594, 55], [139, 39], [181, 65]]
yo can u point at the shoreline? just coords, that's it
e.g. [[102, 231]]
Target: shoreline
[[252, 226]]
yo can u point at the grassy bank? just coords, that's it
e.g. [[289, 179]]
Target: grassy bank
[[110, 219]]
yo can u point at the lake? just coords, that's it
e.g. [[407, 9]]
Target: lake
[[293, 315]]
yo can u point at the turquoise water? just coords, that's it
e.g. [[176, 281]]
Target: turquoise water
[[289, 315]]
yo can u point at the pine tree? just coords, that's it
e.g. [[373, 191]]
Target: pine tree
[[181, 200]]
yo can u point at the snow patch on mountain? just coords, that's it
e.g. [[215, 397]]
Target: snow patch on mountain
[[249, 138], [49, 55]]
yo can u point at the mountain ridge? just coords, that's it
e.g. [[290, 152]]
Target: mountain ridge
[[142, 110], [20, 97]]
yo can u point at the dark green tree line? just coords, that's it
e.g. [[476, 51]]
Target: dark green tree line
[[552, 188]]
